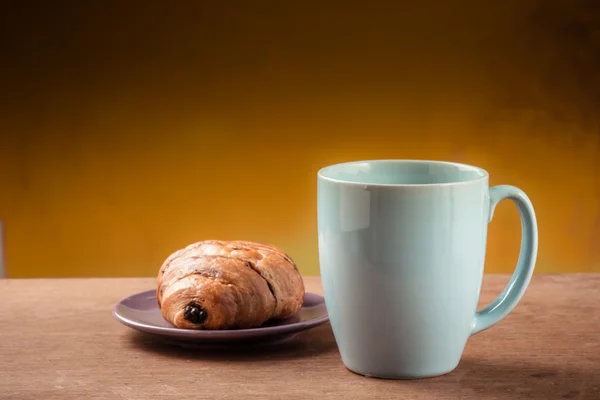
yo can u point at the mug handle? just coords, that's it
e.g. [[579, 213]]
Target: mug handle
[[512, 293]]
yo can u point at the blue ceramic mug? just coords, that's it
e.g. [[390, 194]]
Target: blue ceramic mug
[[401, 247]]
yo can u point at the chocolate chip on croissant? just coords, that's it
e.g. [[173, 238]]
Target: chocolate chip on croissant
[[217, 284]]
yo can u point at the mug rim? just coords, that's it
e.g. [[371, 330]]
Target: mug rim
[[483, 174]]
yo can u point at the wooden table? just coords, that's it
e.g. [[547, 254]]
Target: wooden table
[[59, 340]]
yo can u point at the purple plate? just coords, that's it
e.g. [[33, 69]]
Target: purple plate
[[140, 311]]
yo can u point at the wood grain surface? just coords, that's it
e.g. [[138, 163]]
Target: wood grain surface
[[59, 340]]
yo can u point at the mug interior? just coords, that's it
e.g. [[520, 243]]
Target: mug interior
[[402, 172]]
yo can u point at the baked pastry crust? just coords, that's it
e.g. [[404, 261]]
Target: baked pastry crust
[[215, 284]]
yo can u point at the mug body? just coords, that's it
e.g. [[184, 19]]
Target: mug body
[[401, 250]]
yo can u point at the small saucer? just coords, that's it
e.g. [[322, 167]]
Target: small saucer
[[140, 311]]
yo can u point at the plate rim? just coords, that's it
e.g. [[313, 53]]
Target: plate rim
[[244, 333]]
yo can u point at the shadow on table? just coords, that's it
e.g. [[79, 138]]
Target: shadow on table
[[515, 380], [316, 341]]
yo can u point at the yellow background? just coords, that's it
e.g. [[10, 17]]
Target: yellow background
[[129, 130]]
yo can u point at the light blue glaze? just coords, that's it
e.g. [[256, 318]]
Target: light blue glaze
[[401, 247]]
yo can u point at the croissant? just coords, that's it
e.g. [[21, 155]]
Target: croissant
[[216, 284]]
